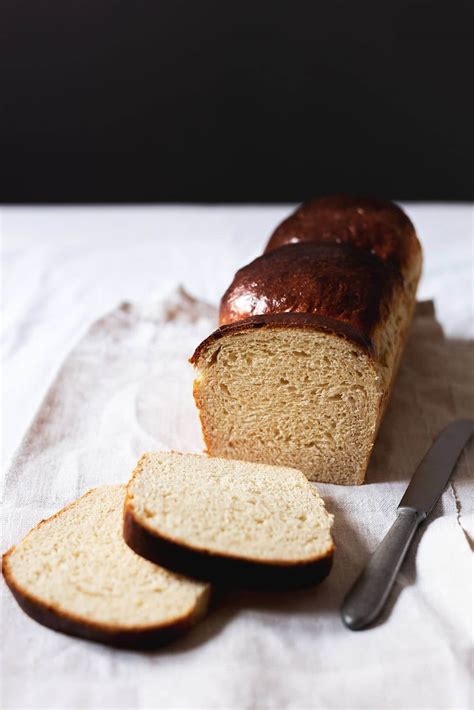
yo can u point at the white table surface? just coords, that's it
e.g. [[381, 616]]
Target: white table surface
[[62, 268]]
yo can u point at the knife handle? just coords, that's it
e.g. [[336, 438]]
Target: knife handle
[[367, 597]]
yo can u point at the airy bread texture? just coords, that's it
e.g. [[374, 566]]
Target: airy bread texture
[[319, 415], [74, 573], [228, 521], [301, 369]]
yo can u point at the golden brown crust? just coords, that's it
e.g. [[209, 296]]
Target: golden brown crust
[[205, 437], [373, 224], [388, 394], [68, 623], [336, 281], [220, 568], [306, 321]]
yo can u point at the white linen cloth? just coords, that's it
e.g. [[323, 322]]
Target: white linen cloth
[[126, 388]]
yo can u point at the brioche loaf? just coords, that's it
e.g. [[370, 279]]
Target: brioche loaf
[[300, 371], [74, 573], [228, 521]]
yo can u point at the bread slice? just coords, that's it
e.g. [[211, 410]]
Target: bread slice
[[74, 573], [228, 521]]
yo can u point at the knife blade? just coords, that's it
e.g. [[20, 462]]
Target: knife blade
[[433, 473], [366, 599]]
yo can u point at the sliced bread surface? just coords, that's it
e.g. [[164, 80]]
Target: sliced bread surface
[[228, 521], [289, 394], [74, 573]]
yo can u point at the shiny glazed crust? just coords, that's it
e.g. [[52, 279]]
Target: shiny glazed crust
[[339, 282], [373, 224]]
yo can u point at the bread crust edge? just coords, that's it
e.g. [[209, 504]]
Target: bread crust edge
[[305, 321], [209, 566]]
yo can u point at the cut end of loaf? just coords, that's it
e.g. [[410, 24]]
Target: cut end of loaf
[[319, 415]]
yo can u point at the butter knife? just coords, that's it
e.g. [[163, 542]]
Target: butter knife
[[366, 599]]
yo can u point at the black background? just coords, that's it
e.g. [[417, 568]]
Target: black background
[[233, 101]]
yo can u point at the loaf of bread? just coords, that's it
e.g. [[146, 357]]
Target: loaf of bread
[[228, 521], [300, 371], [75, 574]]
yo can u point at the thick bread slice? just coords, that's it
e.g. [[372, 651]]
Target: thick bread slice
[[228, 521], [74, 573]]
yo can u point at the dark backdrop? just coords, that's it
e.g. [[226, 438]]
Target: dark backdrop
[[197, 100]]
